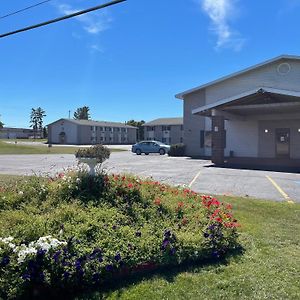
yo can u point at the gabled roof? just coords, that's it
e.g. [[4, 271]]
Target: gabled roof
[[165, 121], [270, 61], [95, 123], [233, 99]]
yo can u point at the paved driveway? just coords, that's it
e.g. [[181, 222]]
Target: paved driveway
[[198, 174]]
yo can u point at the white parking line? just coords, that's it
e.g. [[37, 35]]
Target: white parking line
[[194, 179]]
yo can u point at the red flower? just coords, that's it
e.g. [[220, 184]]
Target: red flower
[[219, 220], [229, 206], [130, 185], [184, 221], [157, 201], [180, 205]]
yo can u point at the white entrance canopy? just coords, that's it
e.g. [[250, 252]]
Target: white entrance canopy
[[258, 101]]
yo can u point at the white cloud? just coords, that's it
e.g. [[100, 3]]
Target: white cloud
[[92, 23], [220, 13], [96, 48]]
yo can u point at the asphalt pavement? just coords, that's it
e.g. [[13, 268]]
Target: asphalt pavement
[[199, 175]]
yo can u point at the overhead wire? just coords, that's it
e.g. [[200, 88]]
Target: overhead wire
[[24, 9], [62, 18]]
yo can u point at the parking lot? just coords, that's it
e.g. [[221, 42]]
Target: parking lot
[[199, 175]]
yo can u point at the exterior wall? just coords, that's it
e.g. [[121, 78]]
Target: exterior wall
[[242, 138], [266, 76], [12, 133], [56, 128], [193, 124], [173, 136], [267, 143]]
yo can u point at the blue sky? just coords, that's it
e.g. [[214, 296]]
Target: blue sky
[[128, 61]]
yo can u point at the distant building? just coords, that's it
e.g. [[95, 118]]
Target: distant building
[[165, 130], [16, 133], [86, 132]]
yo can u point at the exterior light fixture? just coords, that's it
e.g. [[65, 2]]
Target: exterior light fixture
[[216, 129], [266, 130], [298, 129]]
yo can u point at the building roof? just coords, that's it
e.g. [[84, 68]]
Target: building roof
[[15, 128], [270, 61], [95, 123], [165, 121], [261, 97]]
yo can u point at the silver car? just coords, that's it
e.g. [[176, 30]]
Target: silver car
[[150, 147]]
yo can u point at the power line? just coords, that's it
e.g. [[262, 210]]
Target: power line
[[62, 18], [23, 9]]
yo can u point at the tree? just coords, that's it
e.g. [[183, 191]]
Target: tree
[[36, 120], [1, 125], [82, 113], [139, 125]]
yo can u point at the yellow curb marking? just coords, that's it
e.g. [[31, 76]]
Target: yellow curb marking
[[280, 190], [195, 178]]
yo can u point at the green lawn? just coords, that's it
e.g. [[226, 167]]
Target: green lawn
[[6, 148], [268, 269]]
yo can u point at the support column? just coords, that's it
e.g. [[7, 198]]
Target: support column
[[218, 139]]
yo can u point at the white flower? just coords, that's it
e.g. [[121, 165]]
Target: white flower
[[78, 180], [21, 193]]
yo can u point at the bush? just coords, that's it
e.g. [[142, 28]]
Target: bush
[[177, 150], [75, 231], [100, 152]]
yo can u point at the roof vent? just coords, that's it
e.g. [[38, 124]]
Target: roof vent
[[284, 68]]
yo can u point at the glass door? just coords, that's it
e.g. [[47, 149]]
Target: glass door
[[283, 142]]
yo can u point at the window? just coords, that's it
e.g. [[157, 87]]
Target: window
[[101, 128], [181, 140], [202, 138], [208, 139], [181, 127], [101, 138], [150, 128], [164, 140], [166, 128]]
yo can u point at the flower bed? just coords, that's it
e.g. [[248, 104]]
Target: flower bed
[[75, 231]]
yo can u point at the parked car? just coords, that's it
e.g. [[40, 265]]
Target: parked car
[[150, 147]]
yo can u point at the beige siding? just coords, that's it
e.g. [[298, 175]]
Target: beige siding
[[193, 124], [267, 146], [266, 76], [56, 128], [242, 138]]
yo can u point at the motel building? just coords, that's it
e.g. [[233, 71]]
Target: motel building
[[250, 117]]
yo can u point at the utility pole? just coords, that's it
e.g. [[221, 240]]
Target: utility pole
[[69, 114]]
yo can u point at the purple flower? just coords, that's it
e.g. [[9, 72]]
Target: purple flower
[[109, 268], [114, 227], [5, 261], [118, 257], [100, 259], [96, 277], [166, 242], [206, 235], [173, 251], [26, 276], [216, 254], [66, 275], [167, 233], [138, 234], [56, 256]]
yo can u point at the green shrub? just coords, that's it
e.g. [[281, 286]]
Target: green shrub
[[177, 150], [75, 231], [100, 152]]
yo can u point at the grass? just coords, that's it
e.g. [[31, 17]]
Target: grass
[[268, 269], [6, 148]]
